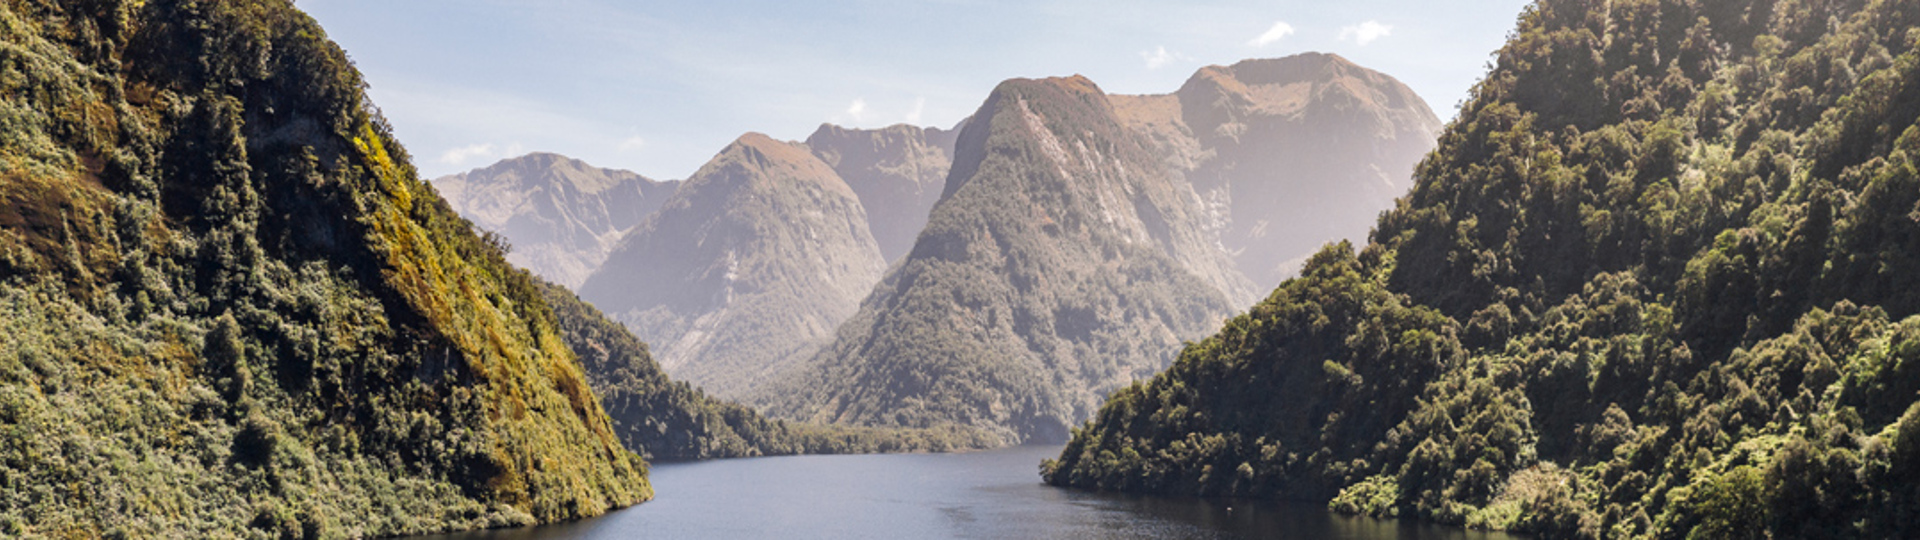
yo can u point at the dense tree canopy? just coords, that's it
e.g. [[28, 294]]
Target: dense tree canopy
[[1658, 279], [229, 306]]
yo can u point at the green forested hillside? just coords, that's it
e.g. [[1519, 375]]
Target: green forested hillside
[[1658, 280], [229, 306], [666, 419]]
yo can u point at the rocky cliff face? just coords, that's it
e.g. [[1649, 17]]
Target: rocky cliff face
[[561, 215], [749, 266], [1289, 153], [897, 172], [1063, 260]]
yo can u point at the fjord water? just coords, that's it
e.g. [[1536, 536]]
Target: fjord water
[[979, 495]]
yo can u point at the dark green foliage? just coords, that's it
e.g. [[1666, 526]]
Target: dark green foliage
[[229, 308], [1677, 240], [665, 419]]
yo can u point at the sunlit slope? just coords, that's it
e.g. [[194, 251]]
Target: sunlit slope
[[229, 306]]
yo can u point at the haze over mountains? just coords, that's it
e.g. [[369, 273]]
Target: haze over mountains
[[1131, 229], [561, 215], [897, 171], [1071, 253], [1290, 152], [1063, 258], [749, 266], [1660, 279]]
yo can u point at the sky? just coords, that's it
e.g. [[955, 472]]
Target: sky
[[658, 87]]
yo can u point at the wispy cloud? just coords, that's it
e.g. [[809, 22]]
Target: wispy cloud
[[460, 156], [1279, 30], [858, 109], [1160, 57], [631, 144], [1366, 32], [919, 110]]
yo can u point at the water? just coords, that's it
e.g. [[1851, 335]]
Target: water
[[979, 495]]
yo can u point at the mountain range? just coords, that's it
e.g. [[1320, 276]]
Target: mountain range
[[747, 267], [1062, 258], [753, 271], [561, 215], [1289, 153], [1081, 238], [898, 173]]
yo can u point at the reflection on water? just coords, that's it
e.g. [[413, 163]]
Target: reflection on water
[[981, 495]]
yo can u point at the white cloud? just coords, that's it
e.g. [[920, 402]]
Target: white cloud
[[1366, 32], [1160, 57], [1280, 30], [858, 109], [461, 155], [919, 110], [633, 143]]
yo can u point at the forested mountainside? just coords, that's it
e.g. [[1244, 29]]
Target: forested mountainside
[[560, 214], [1289, 153], [897, 172], [1062, 261], [1658, 280], [229, 306], [748, 267], [669, 420]]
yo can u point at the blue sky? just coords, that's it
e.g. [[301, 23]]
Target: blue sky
[[658, 87]]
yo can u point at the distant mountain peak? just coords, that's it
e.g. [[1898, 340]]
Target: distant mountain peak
[[1290, 152], [769, 160], [754, 260], [561, 214], [1062, 260], [898, 172]]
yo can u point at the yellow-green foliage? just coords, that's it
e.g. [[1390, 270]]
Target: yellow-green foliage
[[231, 309]]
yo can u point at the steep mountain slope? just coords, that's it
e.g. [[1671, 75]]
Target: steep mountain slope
[[1062, 261], [561, 215], [1658, 280], [1291, 153], [228, 307], [665, 419], [898, 173], [749, 266]]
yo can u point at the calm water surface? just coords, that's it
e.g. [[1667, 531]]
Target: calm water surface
[[980, 495]]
